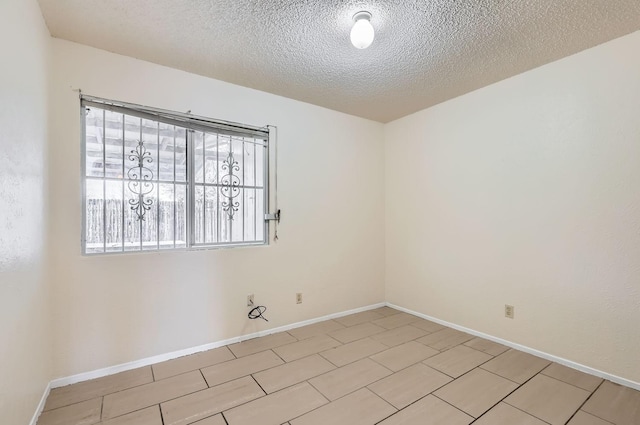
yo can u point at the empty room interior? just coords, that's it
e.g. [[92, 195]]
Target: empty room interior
[[320, 212]]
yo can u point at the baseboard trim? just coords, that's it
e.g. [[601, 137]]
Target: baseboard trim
[[99, 373], [40, 407], [533, 351]]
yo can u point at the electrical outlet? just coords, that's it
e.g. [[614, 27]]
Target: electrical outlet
[[299, 298], [509, 311], [250, 300]]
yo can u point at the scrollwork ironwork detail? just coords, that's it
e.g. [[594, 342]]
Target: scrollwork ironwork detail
[[140, 180], [229, 185]]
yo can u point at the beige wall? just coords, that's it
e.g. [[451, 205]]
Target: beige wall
[[25, 366], [115, 309], [526, 192]]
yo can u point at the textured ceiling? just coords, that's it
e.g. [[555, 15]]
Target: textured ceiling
[[424, 52]]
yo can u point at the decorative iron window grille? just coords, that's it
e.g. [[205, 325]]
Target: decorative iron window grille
[[156, 180]]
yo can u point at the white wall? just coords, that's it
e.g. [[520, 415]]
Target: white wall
[[114, 309], [25, 366], [526, 192]]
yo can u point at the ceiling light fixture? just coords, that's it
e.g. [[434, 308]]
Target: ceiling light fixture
[[362, 32]]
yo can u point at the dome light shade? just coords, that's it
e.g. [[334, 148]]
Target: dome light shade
[[362, 32]]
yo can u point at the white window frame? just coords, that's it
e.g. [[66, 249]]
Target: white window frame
[[191, 123]]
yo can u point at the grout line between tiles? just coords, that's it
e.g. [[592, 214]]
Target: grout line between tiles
[[224, 418], [585, 402], [153, 374], [205, 379], [278, 355], [161, 415], [454, 378], [569, 383], [258, 383], [523, 411], [163, 401], [505, 397]]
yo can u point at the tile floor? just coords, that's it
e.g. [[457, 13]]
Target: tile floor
[[377, 367]]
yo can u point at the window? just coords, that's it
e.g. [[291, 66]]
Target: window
[[156, 180]]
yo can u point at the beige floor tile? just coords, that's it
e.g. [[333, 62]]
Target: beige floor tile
[[278, 407], [306, 347], [87, 390], [583, 418], [395, 320], [353, 351], [457, 361], [399, 335], [572, 376], [548, 399], [476, 392], [212, 420], [349, 378], [445, 339], [288, 374], [149, 394], [615, 403], [234, 369], [255, 345], [386, 311], [149, 416], [188, 363], [83, 413], [358, 318], [486, 346], [410, 384], [516, 365], [356, 332], [429, 411], [320, 328], [427, 325], [404, 355], [202, 404], [359, 408], [504, 414]]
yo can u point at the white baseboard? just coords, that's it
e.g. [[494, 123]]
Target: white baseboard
[[40, 407], [99, 373], [542, 354]]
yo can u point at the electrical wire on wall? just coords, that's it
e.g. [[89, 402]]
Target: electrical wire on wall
[[257, 312]]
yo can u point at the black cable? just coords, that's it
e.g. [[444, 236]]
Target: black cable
[[257, 312]]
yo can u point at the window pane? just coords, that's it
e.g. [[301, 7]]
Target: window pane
[[237, 222], [113, 144], [166, 216], [198, 151], [238, 159], [211, 214], [114, 225], [132, 226], [260, 215], [167, 150], [181, 216], [250, 164], [94, 226], [249, 214], [150, 219], [181, 154], [94, 142], [260, 168], [211, 158], [198, 222], [150, 143]]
